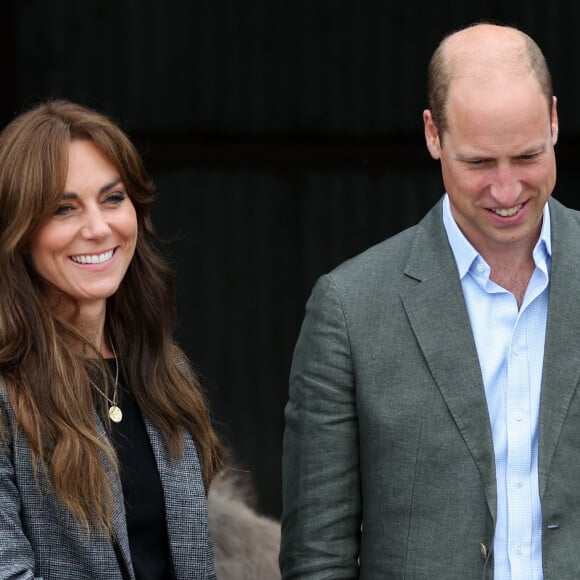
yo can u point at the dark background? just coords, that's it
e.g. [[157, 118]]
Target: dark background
[[284, 137]]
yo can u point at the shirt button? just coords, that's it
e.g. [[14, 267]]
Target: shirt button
[[519, 484], [480, 267], [516, 350], [519, 550], [518, 416]]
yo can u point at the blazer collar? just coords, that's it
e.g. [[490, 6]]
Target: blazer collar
[[119, 520], [561, 371], [438, 316], [449, 349]]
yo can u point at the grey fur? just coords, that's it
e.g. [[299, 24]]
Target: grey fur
[[245, 543]]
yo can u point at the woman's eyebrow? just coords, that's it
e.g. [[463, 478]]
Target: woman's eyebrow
[[106, 187]]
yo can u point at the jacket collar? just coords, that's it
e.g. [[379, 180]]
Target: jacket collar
[[449, 348], [561, 372], [447, 340]]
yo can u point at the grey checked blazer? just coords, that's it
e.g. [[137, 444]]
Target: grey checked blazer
[[40, 540], [388, 453]]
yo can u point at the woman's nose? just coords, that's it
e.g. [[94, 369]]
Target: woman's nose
[[95, 225]]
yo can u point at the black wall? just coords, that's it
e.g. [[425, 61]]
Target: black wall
[[284, 137]]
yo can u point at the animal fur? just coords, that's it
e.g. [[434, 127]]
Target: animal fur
[[245, 543]]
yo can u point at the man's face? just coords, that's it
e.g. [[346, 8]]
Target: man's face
[[497, 159]]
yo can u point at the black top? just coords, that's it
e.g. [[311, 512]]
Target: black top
[[142, 491]]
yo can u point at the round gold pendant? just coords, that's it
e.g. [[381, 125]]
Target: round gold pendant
[[115, 414]]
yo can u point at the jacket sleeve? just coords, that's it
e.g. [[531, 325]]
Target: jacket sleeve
[[321, 520], [16, 554]]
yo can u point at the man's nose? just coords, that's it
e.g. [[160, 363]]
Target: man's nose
[[506, 186]]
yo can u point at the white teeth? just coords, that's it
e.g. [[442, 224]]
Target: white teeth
[[93, 258], [508, 212]]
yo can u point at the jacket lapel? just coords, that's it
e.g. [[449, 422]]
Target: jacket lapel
[[561, 372], [119, 519], [185, 507], [438, 316]]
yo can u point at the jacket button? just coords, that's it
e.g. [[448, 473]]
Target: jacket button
[[484, 551]]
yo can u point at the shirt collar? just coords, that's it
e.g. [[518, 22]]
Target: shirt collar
[[465, 254]]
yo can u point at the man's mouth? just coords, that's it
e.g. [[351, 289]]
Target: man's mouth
[[507, 211]]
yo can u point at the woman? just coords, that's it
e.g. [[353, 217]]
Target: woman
[[107, 450]]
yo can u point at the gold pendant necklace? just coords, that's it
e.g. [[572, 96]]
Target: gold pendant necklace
[[115, 413]]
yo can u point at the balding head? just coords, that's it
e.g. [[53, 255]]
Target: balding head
[[480, 54]]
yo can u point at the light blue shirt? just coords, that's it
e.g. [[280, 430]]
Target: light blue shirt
[[510, 346]]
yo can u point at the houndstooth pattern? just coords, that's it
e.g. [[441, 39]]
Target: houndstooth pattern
[[39, 540]]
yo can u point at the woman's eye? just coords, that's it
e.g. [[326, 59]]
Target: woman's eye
[[116, 198], [63, 209]]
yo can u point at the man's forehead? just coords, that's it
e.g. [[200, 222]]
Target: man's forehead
[[484, 49]]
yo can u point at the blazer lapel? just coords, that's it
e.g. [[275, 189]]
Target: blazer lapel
[[122, 548], [561, 372], [186, 508], [438, 316]]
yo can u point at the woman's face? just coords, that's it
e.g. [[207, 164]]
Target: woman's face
[[84, 250]]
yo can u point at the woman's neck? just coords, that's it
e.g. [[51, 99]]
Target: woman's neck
[[90, 322]]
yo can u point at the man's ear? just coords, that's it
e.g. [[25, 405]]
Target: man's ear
[[554, 121], [431, 135]]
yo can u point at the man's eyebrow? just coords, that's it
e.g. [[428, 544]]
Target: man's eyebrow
[[106, 187]]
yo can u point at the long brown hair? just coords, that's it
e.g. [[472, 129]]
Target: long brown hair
[[42, 374]]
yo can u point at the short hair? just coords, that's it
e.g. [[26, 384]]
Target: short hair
[[439, 76]]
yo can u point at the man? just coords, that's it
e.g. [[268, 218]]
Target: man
[[433, 423]]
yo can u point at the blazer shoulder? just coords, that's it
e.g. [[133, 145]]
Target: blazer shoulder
[[388, 255], [386, 262]]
